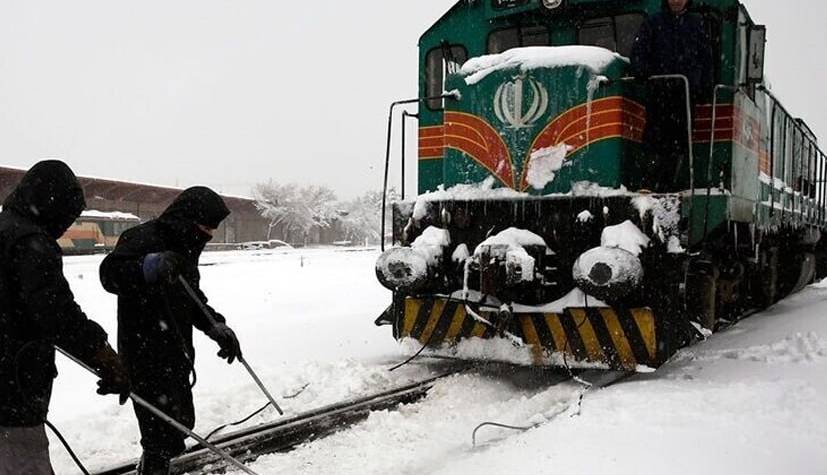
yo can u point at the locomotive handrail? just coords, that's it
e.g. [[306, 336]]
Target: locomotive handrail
[[447, 95], [715, 91], [405, 115]]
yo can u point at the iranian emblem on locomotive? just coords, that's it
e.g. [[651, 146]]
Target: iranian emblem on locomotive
[[511, 98]]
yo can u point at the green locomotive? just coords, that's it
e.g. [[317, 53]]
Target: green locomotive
[[530, 227]]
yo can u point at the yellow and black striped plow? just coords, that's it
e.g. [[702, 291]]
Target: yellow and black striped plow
[[618, 338]]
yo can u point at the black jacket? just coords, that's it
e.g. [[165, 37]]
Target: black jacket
[[155, 321], [37, 308], [675, 44]]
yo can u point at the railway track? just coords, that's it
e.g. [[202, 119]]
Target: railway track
[[285, 434]]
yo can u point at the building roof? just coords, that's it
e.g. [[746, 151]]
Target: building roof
[[115, 190]]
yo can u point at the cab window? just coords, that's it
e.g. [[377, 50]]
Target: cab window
[[503, 40], [440, 62], [616, 33]]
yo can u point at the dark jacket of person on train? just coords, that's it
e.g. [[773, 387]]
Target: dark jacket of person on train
[[672, 41], [38, 312], [156, 315]]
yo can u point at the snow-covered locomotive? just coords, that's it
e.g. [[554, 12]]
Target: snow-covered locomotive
[[528, 228]]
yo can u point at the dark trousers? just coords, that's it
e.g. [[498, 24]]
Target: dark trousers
[[173, 396], [665, 139], [24, 451]]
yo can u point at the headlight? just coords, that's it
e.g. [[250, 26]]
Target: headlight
[[552, 4]]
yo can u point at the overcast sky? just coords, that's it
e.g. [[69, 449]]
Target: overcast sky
[[229, 93]]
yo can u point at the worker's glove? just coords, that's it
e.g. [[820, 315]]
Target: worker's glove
[[162, 267], [114, 379], [226, 339]]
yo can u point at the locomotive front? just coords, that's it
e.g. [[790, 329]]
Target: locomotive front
[[533, 243]]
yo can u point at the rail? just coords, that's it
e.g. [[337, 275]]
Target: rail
[[285, 434]]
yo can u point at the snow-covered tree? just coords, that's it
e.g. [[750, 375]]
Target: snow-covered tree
[[295, 210], [360, 218]]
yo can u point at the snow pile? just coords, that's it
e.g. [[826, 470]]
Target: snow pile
[[513, 237], [799, 348], [625, 236], [588, 188], [509, 244], [585, 216], [491, 349], [592, 58], [460, 254], [574, 299], [464, 192], [544, 164], [666, 216], [432, 243]]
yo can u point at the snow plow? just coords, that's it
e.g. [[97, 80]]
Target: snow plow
[[539, 235], [589, 336]]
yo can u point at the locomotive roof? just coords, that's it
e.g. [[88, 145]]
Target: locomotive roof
[[535, 5]]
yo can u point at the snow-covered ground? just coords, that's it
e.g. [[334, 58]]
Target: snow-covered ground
[[750, 400]]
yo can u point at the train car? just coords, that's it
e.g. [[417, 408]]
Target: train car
[[96, 231], [531, 227]]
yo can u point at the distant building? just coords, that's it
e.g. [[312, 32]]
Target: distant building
[[149, 201]]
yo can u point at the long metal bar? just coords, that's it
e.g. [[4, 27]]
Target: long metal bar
[[212, 321], [388, 152], [823, 198], [403, 151], [712, 151], [772, 161], [784, 171], [169, 420], [405, 115]]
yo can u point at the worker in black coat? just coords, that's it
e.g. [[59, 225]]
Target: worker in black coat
[[672, 41], [156, 315], [38, 311]]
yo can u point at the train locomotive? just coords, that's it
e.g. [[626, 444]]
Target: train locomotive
[[531, 230]]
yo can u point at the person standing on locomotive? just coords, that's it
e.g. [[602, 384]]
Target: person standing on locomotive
[[156, 315], [37, 312], [673, 41]]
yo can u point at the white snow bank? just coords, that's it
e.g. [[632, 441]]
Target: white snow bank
[[593, 58], [798, 348], [544, 164], [625, 236]]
